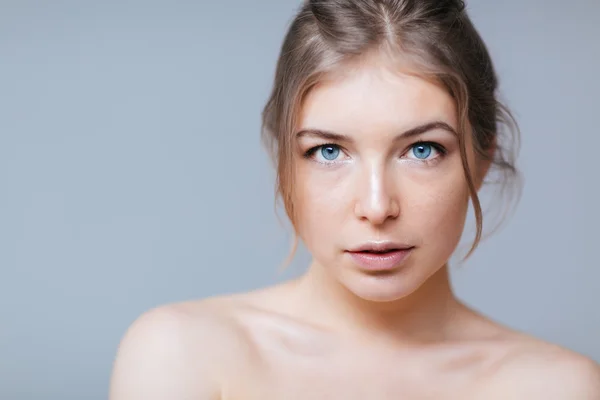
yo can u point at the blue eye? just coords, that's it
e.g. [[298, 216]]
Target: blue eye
[[422, 150], [330, 153]]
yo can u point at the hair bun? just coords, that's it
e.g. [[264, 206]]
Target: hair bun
[[323, 7], [342, 21], [315, 5]]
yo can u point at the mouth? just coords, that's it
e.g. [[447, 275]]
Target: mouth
[[381, 256], [377, 251], [380, 247]]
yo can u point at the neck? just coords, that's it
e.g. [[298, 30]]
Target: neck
[[421, 317]]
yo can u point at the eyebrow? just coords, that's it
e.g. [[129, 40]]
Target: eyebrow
[[417, 130]]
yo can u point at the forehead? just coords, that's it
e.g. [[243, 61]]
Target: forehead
[[373, 96]]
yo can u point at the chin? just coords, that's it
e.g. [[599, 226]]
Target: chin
[[381, 288]]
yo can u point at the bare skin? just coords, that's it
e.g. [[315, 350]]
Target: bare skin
[[249, 346], [342, 331]]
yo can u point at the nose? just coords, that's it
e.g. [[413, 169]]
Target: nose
[[377, 200]]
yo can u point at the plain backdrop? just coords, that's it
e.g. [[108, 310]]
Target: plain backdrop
[[132, 175]]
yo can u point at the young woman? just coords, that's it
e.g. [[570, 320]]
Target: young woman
[[384, 124]]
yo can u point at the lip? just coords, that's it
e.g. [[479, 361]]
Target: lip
[[380, 246], [380, 256]]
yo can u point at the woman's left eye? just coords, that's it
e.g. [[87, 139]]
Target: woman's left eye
[[424, 151]]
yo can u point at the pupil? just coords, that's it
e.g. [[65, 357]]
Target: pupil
[[422, 151], [330, 152]]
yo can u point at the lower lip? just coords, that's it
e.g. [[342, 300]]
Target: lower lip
[[380, 261]]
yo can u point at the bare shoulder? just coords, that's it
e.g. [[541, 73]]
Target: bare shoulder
[[534, 369], [178, 351]]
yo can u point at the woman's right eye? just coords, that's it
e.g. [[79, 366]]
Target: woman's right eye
[[325, 154]]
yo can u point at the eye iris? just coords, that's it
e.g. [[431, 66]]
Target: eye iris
[[330, 153], [422, 151]]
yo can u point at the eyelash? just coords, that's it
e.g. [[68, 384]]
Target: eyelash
[[441, 149]]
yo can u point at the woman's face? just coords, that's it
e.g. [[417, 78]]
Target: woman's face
[[379, 184]]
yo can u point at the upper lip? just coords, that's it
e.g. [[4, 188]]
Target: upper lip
[[380, 246]]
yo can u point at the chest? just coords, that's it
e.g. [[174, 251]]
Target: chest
[[356, 376], [351, 388], [295, 363]]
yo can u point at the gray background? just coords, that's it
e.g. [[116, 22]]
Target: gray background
[[131, 174]]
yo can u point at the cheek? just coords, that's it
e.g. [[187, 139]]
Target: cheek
[[440, 210], [321, 202]]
